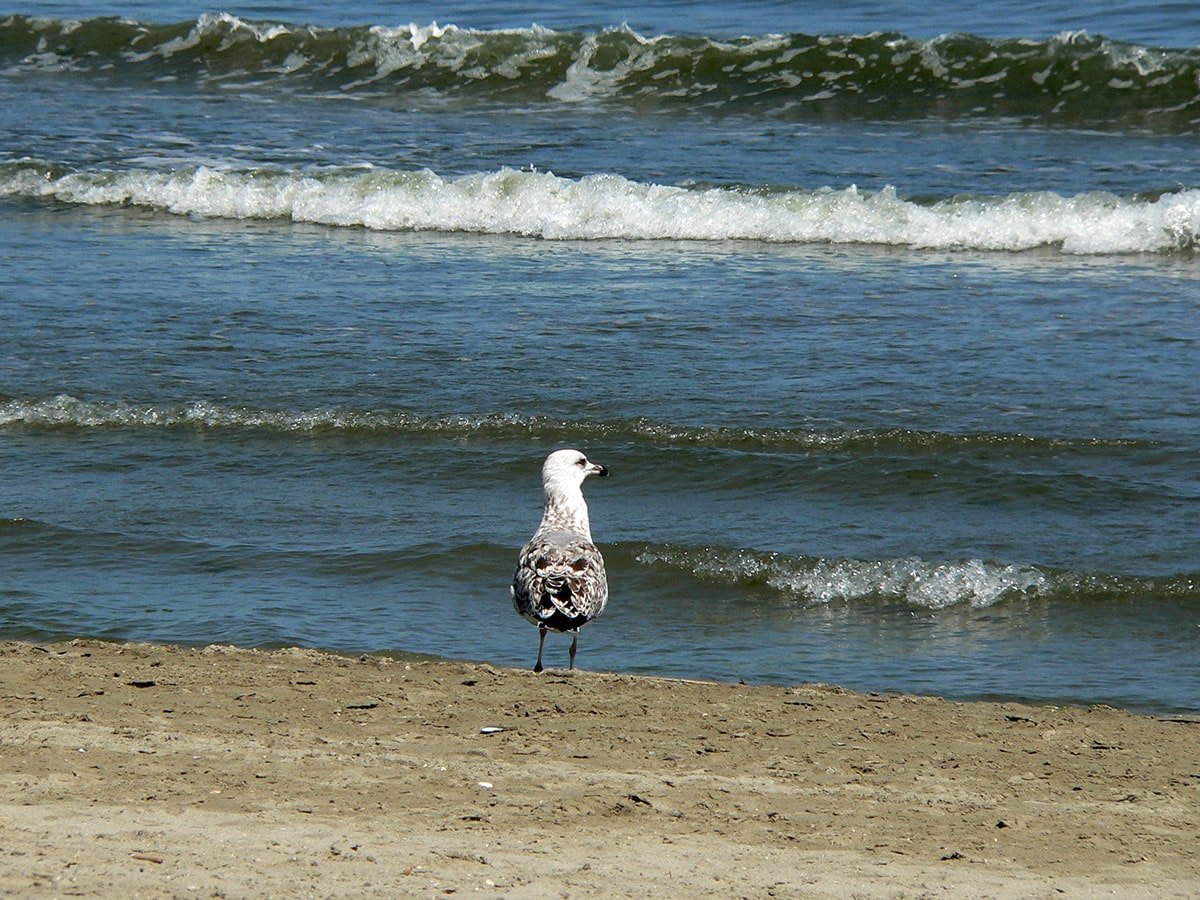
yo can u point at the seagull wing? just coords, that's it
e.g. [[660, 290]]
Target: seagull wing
[[560, 581]]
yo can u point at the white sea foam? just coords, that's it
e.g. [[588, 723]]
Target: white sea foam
[[66, 411], [541, 204], [914, 581], [584, 81]]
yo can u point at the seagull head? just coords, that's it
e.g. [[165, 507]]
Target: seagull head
[[565, 470]]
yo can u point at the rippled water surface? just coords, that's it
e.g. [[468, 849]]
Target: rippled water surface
[[885, 323]]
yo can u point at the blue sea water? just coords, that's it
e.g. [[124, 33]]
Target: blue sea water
[[884, 318]]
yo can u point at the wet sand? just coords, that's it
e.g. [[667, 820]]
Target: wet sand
[[148, 771]]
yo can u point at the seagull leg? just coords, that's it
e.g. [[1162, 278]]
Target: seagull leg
[[574, 643], [541, 643]]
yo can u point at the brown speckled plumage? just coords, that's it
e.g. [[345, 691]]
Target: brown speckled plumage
[[560, 583]]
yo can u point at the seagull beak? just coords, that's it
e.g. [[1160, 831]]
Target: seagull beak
[[597, 469]]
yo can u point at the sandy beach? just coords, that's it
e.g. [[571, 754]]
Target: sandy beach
[[157, 771]]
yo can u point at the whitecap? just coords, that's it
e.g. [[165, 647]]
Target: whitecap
[[608, 206]]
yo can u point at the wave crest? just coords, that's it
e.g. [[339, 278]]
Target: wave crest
[[610, 207], [65, 411], [911, 581], [1072, 78]]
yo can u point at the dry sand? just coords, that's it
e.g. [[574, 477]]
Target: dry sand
[[147, 771]]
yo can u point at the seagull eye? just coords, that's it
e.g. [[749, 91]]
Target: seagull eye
[[581, 462]]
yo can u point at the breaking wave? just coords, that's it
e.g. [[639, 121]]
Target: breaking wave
[[911, 581], [67, 412], [1071, 79], [610, 207]]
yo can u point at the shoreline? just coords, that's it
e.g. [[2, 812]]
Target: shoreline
[[146, 770], [1152, 709]]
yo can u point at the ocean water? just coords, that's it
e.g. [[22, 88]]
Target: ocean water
[[885, 319]]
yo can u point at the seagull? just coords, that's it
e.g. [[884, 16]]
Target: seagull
[[560, 583]]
